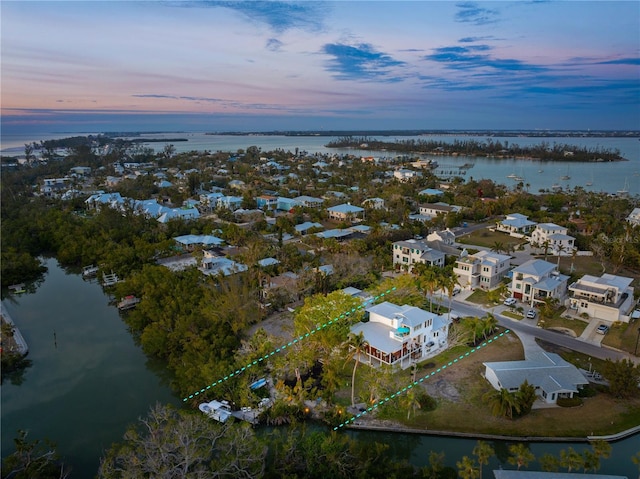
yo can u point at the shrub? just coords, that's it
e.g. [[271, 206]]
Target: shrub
[[569, 402]]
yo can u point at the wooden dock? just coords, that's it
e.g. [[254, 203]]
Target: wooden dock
[[20, 344]]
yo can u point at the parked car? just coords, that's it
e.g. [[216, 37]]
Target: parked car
[[510, 301], [602, 329], [455, 291], [531, 314]]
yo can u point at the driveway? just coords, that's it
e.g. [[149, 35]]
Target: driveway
[[529, 332]]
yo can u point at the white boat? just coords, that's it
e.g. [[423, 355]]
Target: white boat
[[220, 411], [89, 271]]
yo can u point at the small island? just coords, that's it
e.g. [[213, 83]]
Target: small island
[[489, 148]]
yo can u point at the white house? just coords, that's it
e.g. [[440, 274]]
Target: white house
[[406, 175], [375, 203], [409, 252], [434, 209], [447, 237], [213, 265], [634, 217], [516, 223], [401, 335], [552, 376], [309, 201], [560, 243], [536, 280], [608, 297], [484, 269]]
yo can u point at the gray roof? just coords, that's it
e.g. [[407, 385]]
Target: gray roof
[[377, 335], [546, 370], [536, 267]]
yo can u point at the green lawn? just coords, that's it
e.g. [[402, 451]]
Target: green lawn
[[558, 321], [487, 238]]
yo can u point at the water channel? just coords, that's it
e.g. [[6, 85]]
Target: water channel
[[89, 381]]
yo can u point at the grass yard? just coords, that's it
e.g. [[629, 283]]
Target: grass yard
[[624, 336], [558, 321], [459, 390], [488, 239]]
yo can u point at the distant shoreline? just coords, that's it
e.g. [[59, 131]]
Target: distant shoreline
[[480, 133]]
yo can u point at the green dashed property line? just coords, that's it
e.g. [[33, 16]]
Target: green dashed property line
[[418, 381], [284, 346]]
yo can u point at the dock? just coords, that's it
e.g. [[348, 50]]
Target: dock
[[109, 279], [20, 344]]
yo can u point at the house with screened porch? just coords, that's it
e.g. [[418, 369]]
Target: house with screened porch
[[401, 335]]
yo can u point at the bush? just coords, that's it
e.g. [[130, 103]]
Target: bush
[[427, 403], [569, 402], [587, 392]]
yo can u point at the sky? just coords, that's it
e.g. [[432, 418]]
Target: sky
[[268, 65]]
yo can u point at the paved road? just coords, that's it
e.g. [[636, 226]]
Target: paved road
[[521, 328]]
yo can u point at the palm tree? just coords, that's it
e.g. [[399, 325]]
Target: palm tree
[[467, 468], [448, 281], [571, 459], [357, 345], [489, 324], [498, 246], [599, 449], [526, 396], [559, 250], [411, 402], [483, 451], [427, 279], [520, 455], [549, 463], [574, 253], [502, 403], [546, 245]]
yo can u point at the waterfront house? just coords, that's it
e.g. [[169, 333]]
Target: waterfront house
[[552, 376], [608, 297], [409, 252], [401, 335], [406, 175], [536, 280], [484, 269], [555, 237]]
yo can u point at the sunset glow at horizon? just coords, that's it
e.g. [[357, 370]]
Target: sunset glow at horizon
[[250, 66]]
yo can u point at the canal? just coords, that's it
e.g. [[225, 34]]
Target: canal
[[89, 381]]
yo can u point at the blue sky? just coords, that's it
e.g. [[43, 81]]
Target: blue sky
[[240, 65]]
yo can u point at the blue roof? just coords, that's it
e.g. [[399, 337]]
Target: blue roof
[[345, 208]]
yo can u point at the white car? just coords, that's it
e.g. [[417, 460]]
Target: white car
[[531, 314], [510, 301]]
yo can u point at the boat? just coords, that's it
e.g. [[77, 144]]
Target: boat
[[128, 302], [590, 182], [556, 187], [17, 288], [258, 384], [89, 271], [109, 279], [218, 410], [624, 192], [512, 175]]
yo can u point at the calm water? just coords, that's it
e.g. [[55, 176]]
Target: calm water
[[598, 177], [86, 385], [90, 382]]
